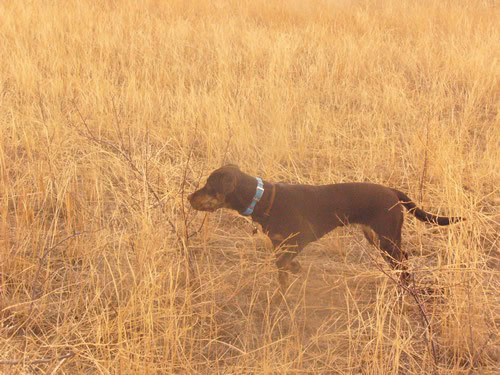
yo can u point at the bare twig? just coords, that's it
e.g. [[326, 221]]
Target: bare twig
[[411, 290], [119, 129], [477, 355], [185, 242], [121, 151], [38, 361], [34, 290], [183, 185], [187, 223], [58, 366], [226, 150], [124, 152], [424, 166]]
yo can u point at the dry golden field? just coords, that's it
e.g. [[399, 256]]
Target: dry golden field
[[111, 112]]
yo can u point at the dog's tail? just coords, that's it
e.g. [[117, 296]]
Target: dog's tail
[[421, 214]]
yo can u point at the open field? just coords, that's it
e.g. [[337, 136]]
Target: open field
[[112, 111]]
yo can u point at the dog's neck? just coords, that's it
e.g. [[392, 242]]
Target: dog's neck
[[246, 191], [259, 192]]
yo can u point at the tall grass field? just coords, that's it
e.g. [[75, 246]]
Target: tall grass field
[[112, 112]]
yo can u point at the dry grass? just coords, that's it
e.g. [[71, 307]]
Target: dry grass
[[112, 110]]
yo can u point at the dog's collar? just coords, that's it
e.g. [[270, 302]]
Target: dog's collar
[[258, 194], [271, 201]]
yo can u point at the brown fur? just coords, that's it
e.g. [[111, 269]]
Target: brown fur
[[301, 214]]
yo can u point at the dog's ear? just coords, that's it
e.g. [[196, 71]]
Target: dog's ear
[[223, 182], [227, 183], [230, 165]]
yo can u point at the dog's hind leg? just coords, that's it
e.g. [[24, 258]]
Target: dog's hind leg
[[385, 234], [395, 256]]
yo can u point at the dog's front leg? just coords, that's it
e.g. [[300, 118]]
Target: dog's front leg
[[285, 263]]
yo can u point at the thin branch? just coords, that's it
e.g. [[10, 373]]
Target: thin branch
[[126, 154], [37, 361], [413, 293], [226, 150], [479, 352], [121, 151], [187, 223], [41, 262], [425, 165], [118, 126], [183, 185]]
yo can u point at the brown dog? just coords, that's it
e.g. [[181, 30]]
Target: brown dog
[[295, 215]]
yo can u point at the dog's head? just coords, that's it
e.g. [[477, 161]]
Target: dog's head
[[213, 195]]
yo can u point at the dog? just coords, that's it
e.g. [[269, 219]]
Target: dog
[[295, 215]]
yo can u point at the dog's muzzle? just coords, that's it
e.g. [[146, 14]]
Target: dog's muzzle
[[204, 202]]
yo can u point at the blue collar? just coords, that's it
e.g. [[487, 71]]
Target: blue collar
[[258, 194]]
